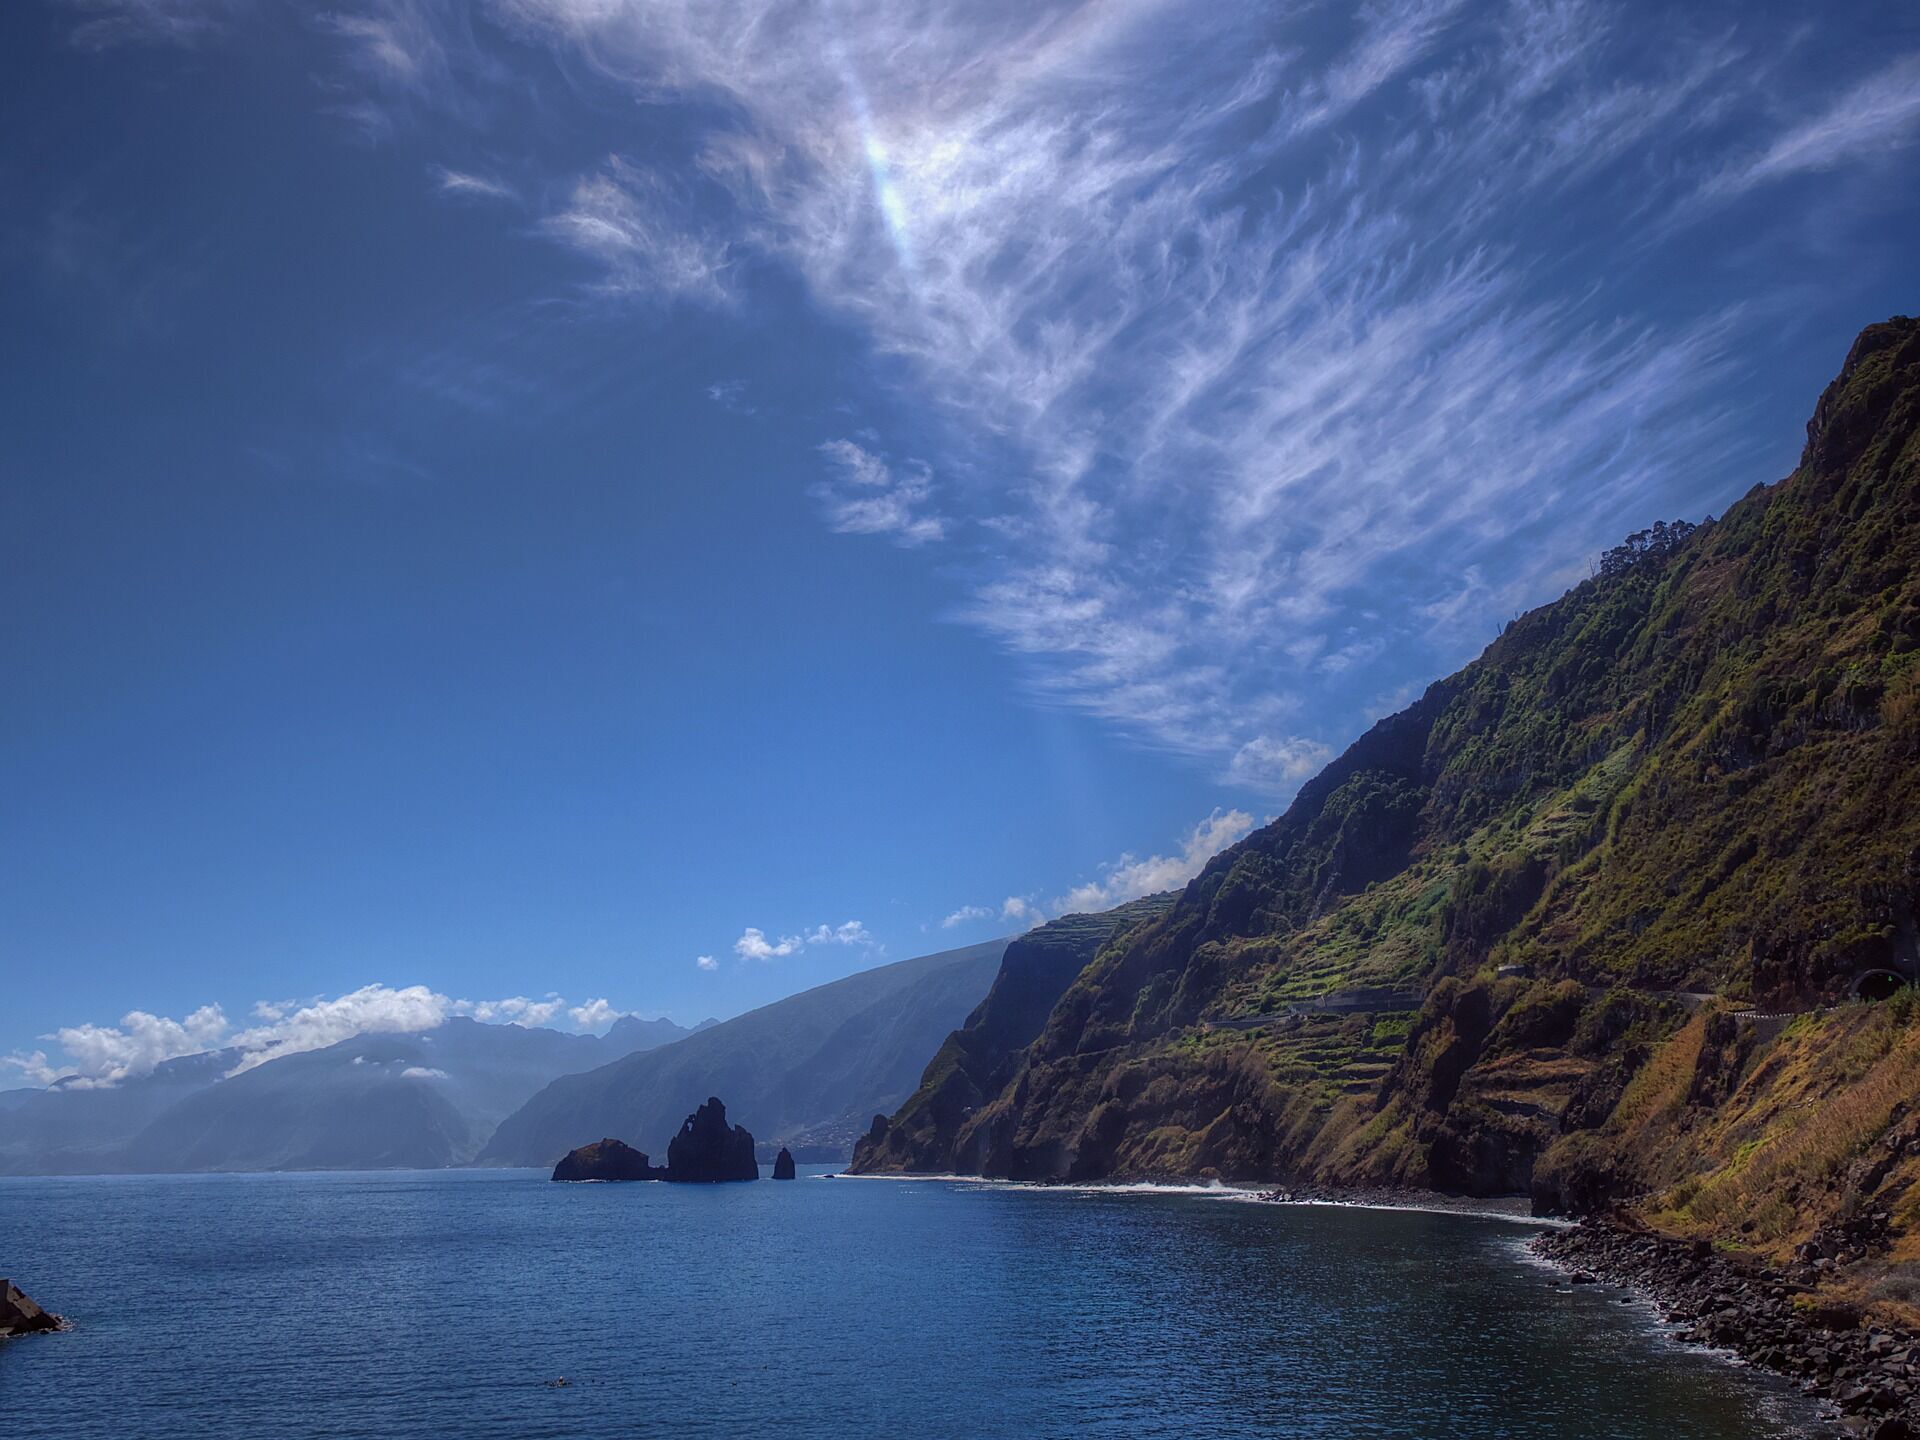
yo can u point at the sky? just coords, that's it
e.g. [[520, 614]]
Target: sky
[[545, 509]]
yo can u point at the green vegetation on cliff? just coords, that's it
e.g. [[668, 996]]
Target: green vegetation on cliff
[[1687, 789], [933, 1133]]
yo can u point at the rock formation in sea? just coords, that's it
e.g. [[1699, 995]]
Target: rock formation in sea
[[20, 1316], [708, 1149], [783, 1164], [607, 1159]]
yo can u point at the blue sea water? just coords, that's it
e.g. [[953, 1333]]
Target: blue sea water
[[442, 1304]]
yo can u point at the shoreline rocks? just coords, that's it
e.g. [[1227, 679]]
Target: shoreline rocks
[[783, 1164], [20, 1316], [709, 1151], [607, 1159], [1869, 1373]]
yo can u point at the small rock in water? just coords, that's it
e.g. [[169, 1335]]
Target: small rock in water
[[20, 1316]]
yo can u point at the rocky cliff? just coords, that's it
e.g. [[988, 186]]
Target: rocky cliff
[[936, 1131], [609, 1159], [20, 1316], [708, 1150], [1603, 916]]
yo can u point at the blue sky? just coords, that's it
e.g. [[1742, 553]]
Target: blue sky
[[529, 503]]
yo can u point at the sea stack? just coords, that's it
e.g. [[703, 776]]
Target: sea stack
[[708, 1149], [607, 1159], [783, 1164], [20, 1316]]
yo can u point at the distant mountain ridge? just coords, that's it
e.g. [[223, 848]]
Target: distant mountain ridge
[[369, 1102], [808, 1072]]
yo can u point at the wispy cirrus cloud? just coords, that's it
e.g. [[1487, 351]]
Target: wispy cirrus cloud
[[465, 185], [868, 496], [103, 24], [1877, 116], [1246, 340], [1273, 347], [644, 236]]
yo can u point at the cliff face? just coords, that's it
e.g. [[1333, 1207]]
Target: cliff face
[[1507, 940], [607, 1159], [934, 1132], [707, 1149]]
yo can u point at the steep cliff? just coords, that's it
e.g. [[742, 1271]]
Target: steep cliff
[[1532, 931], [933, 1133]]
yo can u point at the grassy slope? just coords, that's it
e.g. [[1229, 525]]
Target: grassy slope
[[1699, 774]]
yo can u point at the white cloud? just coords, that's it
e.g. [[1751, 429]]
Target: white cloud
[[594, 1015], [1277, 765], [852, 932], [99, 1055], [1020, 910], [754, 945], [1240, 337], [643, 235], [465, 185], [107, 1054], [422, 1072], [514, 1010], [1877, 116], [706, 962], [34, 1065], [731, 395], [149, 22], [370, 1010], [867, 496], [1129, 878]]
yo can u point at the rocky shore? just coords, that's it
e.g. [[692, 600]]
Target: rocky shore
[[1869, 1373], [1385, 1197]]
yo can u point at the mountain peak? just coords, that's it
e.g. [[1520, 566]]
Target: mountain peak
[[1878, 371]]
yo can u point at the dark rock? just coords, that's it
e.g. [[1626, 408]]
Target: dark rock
[[783, 1164], [707, 1149], [20, 1316], [607, 1159]]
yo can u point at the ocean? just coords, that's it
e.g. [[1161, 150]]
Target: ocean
[[453, 1303]]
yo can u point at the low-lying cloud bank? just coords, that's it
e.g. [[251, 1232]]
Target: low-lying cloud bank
[[101, 1055]]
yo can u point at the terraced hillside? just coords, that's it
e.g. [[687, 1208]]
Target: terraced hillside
[[1684, 796]]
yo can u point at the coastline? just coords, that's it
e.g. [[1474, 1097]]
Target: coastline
[[1514, 1209], [1868, 1374]]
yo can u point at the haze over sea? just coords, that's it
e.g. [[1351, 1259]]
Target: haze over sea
[[431, 1304]]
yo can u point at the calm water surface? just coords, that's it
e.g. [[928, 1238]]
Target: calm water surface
[[405, 1305]]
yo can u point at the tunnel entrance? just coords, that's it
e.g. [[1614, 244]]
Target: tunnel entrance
[[1878, 985]]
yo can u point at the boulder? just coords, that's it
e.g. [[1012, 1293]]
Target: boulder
[[20, 1316], [607, 1159], [707, 1149], [783, 1164]]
